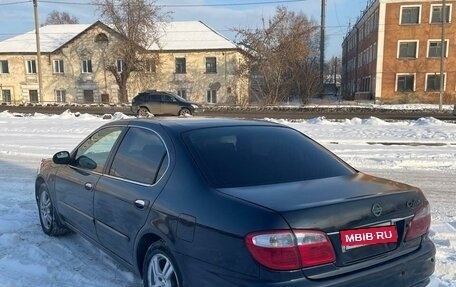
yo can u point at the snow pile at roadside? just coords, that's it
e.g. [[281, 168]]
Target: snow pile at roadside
[[333, 103], [374, 130], [421, 153]]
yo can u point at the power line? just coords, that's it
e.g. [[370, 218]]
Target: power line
[[185, 5], [231, 4], [14, 3], [335, 27]]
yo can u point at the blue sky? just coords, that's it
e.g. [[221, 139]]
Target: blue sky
[[18, 18]]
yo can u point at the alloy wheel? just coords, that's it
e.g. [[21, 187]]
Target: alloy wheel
[[161, 272], [46, 209]]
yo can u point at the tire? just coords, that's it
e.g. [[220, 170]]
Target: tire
[[49, 220], [184, 112], [143, 112], [160, 268]]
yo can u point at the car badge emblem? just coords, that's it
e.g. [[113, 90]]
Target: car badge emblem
[[377, 209], [413, 203]]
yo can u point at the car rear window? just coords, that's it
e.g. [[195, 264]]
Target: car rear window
[[259, 155]]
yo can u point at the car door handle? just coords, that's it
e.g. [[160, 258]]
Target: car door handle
[[88, 186], [141, 203]]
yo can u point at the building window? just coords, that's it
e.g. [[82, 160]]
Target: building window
[[86, 66], [60, 96], [88, 96], [436, 14], [58, 67], [181, 66], [365, 84], [212, 96], [405, 83], [435, 49], [410, 14], [33, 96], [182, 93], [120, 66], [433, 82], [211, 65], [4, 68], [31, 67], [408, 49], [151, 66], [6, 96]]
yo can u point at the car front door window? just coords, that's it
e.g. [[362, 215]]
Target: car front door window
[[94, 152]]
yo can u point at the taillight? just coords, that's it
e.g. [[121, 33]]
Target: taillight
[[314, 248], [288, 250], [420, 223]]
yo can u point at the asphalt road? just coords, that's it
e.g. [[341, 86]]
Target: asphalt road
[[281, 113]]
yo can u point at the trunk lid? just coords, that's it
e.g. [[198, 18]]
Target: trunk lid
[[341, 203]]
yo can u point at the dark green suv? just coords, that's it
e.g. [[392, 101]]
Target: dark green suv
[[162, 103]]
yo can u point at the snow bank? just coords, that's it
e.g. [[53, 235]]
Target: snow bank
[[421, 153]]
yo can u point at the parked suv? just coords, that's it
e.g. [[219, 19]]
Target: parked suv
[[161, 103]]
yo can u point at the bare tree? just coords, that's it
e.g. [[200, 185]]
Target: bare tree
[[282, 54], [55, 17], [139, 24]]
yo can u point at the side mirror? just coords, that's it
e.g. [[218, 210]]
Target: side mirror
[[62, 157]]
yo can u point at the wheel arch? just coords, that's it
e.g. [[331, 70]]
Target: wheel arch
[[38, 182], [141, 249], [143, 107]]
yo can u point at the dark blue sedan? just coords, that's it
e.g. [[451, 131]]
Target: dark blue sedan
[[218, 202]]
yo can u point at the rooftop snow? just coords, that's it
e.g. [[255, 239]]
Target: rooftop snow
[[184, 35], [51, 36], [191, 35]]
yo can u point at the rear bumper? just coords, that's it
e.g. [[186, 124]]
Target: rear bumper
[[411, 270]]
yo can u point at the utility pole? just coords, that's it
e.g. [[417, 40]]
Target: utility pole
[[38, 49], [442, 56], [335, 70], [322, 40]]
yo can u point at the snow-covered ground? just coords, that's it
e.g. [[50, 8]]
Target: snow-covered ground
[[421, 153]]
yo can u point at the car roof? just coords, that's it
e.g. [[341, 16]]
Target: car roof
[[154, 92], [187, 124]]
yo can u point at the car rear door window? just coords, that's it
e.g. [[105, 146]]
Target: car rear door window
[[94, 152], [259, 155], [141, 157]]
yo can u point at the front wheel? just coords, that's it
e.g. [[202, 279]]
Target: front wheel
[[160, 268], [50, 223], [185, 112], [143, 112]]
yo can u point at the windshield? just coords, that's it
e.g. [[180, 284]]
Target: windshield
[[259, 155]]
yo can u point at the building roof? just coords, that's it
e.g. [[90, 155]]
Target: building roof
[[51, 38], [182, 35], [191, 35]]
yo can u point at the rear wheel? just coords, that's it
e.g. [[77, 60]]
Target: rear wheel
[[50, 223], [143, 112], [184, 112], [160, 268]]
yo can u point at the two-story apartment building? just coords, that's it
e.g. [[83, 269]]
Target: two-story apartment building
[[190, 59], [393, 52]]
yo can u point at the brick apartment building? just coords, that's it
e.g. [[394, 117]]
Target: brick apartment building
[[392, 54]]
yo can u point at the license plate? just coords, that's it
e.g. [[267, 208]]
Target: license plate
[[355, 238]]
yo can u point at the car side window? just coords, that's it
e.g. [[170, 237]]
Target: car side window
[[94, 152], [141, 157], [154, 98], [168, 99]]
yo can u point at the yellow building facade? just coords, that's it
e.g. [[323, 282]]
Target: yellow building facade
[[194, 61]]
